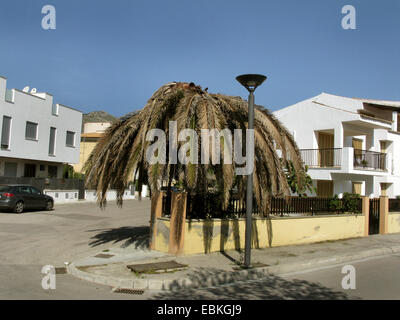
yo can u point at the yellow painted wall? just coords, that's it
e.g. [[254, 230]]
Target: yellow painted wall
[[218, 235], [162, 234], [86, 149], [394, 223]]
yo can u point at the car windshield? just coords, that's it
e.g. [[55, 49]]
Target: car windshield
[[4, 188]]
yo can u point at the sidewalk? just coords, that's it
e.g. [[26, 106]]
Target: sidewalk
[[207, 270]]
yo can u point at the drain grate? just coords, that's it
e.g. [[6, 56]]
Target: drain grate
[[128, 291], [154, 267], [104, 255], [61, 270]]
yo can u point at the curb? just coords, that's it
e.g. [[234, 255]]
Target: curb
[[225, 277]]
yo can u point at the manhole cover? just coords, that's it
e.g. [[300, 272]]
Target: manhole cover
[[153, 267], [104, 255]]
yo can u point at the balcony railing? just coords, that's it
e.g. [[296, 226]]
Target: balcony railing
[[369, 160], [322, 158]]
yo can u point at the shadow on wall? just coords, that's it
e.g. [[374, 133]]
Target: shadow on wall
[[229, 229], [136, 236], [270, 288]]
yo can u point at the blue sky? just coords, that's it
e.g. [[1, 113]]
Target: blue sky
[[112, 55]]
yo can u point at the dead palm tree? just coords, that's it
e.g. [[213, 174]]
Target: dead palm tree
[[121, 152]]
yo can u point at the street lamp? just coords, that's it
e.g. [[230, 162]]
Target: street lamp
[[250, 82]]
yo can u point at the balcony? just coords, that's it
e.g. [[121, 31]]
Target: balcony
[[346, 159], [369, 160], [322, 158]]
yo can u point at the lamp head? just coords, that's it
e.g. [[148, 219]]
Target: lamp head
[[251, 81]]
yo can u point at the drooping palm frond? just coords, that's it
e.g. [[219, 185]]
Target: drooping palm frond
[[121, 152]]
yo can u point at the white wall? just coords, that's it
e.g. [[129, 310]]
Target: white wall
[[90, 195], [339, 115], [28, 107], [71, 196]]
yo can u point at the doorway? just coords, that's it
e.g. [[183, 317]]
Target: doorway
[[324, 188], [325, 149]]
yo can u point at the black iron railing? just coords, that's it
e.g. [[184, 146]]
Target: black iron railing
[[210, 206], [374, 213], [310, 205], [369, 160], [322, 158], [394, 205]]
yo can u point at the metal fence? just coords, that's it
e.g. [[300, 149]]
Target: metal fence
[[305, 206], [364, 159], [210, 206], [394, 205], [374, 215], [317, 158]]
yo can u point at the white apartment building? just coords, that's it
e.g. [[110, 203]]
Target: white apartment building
[[349, 144], [38, 136]]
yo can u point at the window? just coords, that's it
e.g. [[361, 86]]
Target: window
[[35, 191], [52, 141], [30, 170], [70, 139], [52, 171], [42, 167], [54, 109], [24, 189], [10, 169], [31, 130], [5, 133], [324, 188]]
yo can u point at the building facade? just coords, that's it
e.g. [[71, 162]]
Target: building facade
[[37, 136], [92, 132], [349, 144]]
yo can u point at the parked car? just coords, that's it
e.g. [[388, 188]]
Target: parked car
[[20, 197]]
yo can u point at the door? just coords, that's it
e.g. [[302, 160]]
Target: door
[[325, 149], [324, 188], [356, 187], [358, 154], [30, 170], [374, 213], [37, 198], [383, 146], [25, 193]]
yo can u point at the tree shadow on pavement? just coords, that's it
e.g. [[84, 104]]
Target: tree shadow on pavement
[[136, 236], [270, 287]]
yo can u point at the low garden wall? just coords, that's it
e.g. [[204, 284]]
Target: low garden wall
[[204, 236], [175, 234], [394, 222]]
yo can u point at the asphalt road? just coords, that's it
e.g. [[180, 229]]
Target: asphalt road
[[34, 239], [376, 278]]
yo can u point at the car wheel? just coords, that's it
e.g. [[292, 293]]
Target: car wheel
[[49, 205], [19, 207]]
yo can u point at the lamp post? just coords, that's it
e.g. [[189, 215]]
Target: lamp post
[[250, 82]]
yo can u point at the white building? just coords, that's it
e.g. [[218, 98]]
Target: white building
[[349, 144], [37, 135]]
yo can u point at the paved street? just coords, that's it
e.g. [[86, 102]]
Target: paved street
[[34, 239], [376, 278]]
